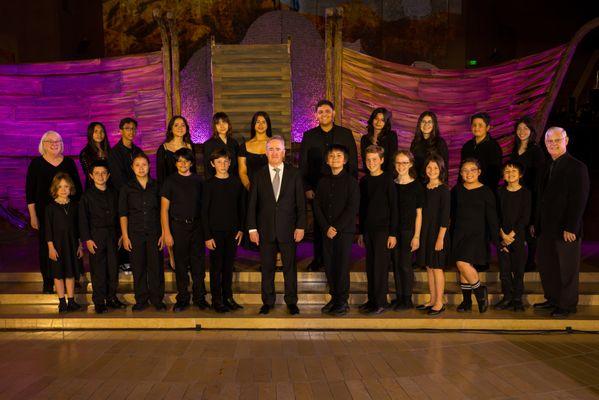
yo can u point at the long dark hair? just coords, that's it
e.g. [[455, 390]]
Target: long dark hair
[[442, 168], [169, 129], [419, 136], [532, 139], [91, 149], [386, 128], [253, 123], [221, 116]]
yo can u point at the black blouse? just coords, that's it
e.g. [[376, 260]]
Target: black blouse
[[166, 163], [410, 197], [423, 149], [387, 142], [39, 177], [215, 143]]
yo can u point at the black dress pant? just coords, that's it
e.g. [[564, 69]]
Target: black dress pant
[[559, 267], [221, 266], [104, 265], [511, 270], [377, 267], [317, 241], [336, 256], [268, 256], [147, 267], [403, 272], [189, 252]]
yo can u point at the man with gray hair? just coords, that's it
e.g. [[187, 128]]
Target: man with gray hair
[[562, 199]]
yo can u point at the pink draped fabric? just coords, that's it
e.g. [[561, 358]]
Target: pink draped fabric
[[507, 92]]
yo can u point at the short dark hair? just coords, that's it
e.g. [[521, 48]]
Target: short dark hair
[[98, 164], [141, 154], [470, 160], [482, 115], [514, 164], [220, 153], [185, 153], [127, 120], [324, 102], [337, 147]]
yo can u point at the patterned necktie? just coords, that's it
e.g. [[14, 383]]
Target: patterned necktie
[[276, 183]]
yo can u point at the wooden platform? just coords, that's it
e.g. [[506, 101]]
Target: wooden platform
[[23, 307]]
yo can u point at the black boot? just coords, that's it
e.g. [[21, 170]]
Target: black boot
[[62, 305], [466, 304], [482, 296], [73, 306]]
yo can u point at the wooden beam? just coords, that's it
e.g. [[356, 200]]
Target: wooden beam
[[338, 57], [175, 63], [328, 51], [166, 63]]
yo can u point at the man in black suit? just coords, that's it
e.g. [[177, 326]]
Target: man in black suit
[[276, 221], [313, 165], [562, 199]]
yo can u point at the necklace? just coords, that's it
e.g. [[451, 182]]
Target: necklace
[[64, 207]]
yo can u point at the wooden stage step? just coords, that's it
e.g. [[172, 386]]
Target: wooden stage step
[[45, 317]]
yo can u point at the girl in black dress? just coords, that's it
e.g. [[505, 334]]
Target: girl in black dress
[[96, 149], [427, 142], [222, 138], [62, 238], [380, 134], [410, 200], [474, 220], [531, 157], [252, 153], [40, 173], [434, 239]]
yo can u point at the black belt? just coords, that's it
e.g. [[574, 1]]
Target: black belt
[[185, 220]]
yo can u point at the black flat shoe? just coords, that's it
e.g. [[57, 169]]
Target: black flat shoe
[[432, 311], [546, 305], [366, 306], [116, 304], [180, 307], [160, 307], [265, 309], [232, 304], [293, 309], [423, 307], [202, 304], [327, 307], [220, 308], [464, 307]]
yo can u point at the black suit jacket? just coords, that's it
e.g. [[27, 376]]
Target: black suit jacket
[[277, 220], [563, 197]]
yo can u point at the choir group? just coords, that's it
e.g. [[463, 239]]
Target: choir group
[[402, 211]]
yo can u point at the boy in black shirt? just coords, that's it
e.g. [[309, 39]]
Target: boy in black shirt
[[335, 207], [514, 211], [378, 224], [180, 211], [223, 210], [98, 228]]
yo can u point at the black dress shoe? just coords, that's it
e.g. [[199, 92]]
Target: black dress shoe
[[560, 313], [432, 311], [464, 306], [202, 304], [265, 309], [139, 307], [423, 307], [180, 307], [405, 304], [293, 309], [366, 306], [339, 310], [100, 308], [73, 306], [546, 305], [328, 307], [160, 307], [116, 304], [220, 308], [518, 305], [314, 266], [376, 310], [503, 304], [232, 304]]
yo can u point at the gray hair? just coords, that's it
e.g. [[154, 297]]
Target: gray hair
[[557, 129], [40, 146], [276, 137]]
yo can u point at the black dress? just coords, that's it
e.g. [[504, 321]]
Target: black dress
[[474, 219], [166, 163], [62, 231], [435, 215], [254, 162], [215, 143], [387, 142], [424, 149]]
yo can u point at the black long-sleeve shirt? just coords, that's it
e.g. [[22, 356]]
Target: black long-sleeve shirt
[[388, 142], [424, 149], [166, 164], [140, 206], [488, 153], [223, 205], [378, 204], [410, 197], [119, 162], [39, 177], [337, 202], [214, 143], [514, 210], [97, 209], [312, 153], [534, 162], [185, 196]]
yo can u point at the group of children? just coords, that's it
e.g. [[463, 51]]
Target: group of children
[[400, 215]]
